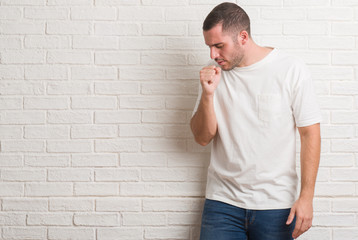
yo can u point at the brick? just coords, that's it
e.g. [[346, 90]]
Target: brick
[[167, 233], [185, 73], [10, 160], [144, 219], [164, 117], [96, 13], [96, 189], [344, 29], [24, 233], [282, 42], [48, 189], [195, 29], [70, 175], [117, 58], [344, 145], [23, 175], [180, 103], [93, 131], [345, 234], [142, 43], [198, 58], [23, 2], [43, 103], [69, 117], [182, 219], [163, 29], [11, 190], [345, 117], [46, 13], [69, 2], [332, 73], [347, 175], [12, 219], [316, 57], [344, 58], [22, 57], [142, 160], [334, 189], [25, 204], [116, 175], [335, 102], [283, 13], [118, 204], [172, 205], [186, 14], [116, 29], [132, 130], [141, 73], [344, 88], [10, 13], [120, 233], [186, 43], [321, 205], [141, 102], [69, 57], [117, 2], [11, 72], [305, 28], [188, 159], [331, 42], [263, 28], [115, 117], [344, 205], [188, 189], [94, 160], [330, 14], [21, 88], [163, 145], [28, 27], [71, 233], [68, 27], [49, 219], [47, 160], [71, 204], [45, 72], [93, 42], [69, 146], [91, 73], [10, 42], [164, 2], [142, 189], [167, 59], [22, 146], [164, 175], [336, 220], [47, 42], [305, 3], [337, 160], [140, 14], [116, 88], [69, 88], [7, 103], [169, 88], [94, 102], [120, 145], [337, 132], [344, 3], [96, 219], [316, 233]]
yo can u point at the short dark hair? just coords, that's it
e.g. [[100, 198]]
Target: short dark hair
[[233, 18]]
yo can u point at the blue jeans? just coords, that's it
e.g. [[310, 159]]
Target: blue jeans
[[221, 221]]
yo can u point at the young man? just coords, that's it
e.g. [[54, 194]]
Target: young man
[[251, 102]]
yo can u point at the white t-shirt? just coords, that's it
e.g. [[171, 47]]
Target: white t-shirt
[[258, 108]]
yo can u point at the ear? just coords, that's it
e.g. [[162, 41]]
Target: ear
[[243, 37]]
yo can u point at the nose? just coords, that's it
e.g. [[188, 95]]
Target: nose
[[213, 53]]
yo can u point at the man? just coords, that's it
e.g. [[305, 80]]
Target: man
[[251, 102]]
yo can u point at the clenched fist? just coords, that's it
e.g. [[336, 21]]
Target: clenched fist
[[209, 79]]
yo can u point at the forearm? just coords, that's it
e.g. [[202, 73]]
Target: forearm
[[204, 123], [310, 157]]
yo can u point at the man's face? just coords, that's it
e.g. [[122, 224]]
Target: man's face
[[224, 48]]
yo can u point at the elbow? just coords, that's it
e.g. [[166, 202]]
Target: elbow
[[202, 142]]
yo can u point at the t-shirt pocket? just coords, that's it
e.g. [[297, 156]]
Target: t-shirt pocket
[[269, 107]]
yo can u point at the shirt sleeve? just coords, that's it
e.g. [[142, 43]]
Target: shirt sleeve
[[304, 100]]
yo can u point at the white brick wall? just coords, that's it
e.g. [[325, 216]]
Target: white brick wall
[[96, 98]]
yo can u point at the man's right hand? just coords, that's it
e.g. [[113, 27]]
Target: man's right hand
[[209, 79]]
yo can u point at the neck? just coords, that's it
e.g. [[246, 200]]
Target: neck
[[254, 53]]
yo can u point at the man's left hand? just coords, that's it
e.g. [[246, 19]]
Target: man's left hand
[[303, 210]]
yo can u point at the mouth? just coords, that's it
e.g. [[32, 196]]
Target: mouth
[[220, 61]]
